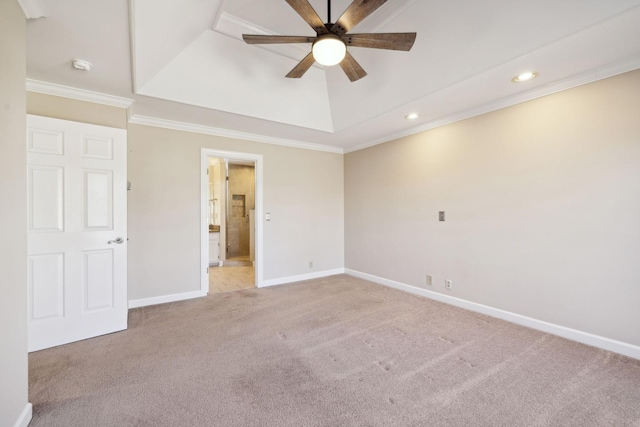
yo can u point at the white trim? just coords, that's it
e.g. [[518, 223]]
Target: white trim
[[78, 94], [551, 328], [208, 130], [33, 9], [301, 277], [144, 302], [25, 417], [132, 37], [205, 153], [581, 79]]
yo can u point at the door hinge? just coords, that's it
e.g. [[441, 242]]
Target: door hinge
[[207, 171], [207, 270]]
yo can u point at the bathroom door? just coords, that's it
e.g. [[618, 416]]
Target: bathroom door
[[77, 231]]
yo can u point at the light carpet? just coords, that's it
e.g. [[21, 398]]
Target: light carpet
[[338, 351]]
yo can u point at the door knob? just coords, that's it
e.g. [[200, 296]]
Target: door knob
[[119, 241]]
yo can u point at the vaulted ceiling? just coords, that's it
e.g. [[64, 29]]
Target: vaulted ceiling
[[185, 61]]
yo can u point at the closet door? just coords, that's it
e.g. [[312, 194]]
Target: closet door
[[77, 231]]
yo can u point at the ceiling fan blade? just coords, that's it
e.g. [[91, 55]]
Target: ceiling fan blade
[[356, 12], [392, 41], [302, 67], [351, 68], [306, 11], [266, 39]]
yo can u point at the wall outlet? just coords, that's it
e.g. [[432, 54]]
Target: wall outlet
[[310, 264], [447, 284], [429, 280]]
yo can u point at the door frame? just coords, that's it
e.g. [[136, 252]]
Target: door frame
[[205, 154]]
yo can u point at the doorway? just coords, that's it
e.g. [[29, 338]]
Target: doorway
[[231, 232]]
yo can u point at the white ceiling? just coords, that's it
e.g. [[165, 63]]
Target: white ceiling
[[184, 60]]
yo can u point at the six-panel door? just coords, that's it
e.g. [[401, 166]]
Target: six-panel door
[[77, 272]]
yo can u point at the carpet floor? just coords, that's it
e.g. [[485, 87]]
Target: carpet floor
[[337, 351]]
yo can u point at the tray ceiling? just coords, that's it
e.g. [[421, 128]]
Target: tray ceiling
[[184, 60]]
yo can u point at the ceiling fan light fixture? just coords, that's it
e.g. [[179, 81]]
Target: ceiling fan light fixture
[[329, 50]]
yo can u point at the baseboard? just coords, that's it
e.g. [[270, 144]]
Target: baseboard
[[301, 277], [136, 303], [551, 328], [25, 417]]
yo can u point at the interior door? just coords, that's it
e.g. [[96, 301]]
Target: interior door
[[77, 231]]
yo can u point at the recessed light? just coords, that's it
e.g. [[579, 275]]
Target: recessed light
[[81, 64], [412, 116], [524, 77]]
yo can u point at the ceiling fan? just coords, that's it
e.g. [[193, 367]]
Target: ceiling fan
[[330, 44]]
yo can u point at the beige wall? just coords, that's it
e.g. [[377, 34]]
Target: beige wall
[[77, 111], [542, 201], [13, 214], [303, 191], [542, 206]]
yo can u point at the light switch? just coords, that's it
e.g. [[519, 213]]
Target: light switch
[[267, 216], [441, 215]]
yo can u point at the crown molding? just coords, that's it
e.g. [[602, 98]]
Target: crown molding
[[33, 9], [77, 94], [208, 130], [581, 79]]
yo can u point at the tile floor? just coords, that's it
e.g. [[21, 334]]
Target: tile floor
[[231, 278]]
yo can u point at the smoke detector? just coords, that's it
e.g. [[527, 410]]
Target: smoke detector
[[81, 64]]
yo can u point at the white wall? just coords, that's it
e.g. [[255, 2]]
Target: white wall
[[13, 217], [303, 191], [542, 206]]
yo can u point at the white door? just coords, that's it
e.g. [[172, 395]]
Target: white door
[[77, 231]]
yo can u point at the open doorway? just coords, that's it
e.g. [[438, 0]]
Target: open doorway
[[231, 232]]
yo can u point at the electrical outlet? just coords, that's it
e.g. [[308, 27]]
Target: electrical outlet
[[310, 264], [429, 280], [447, 284]]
